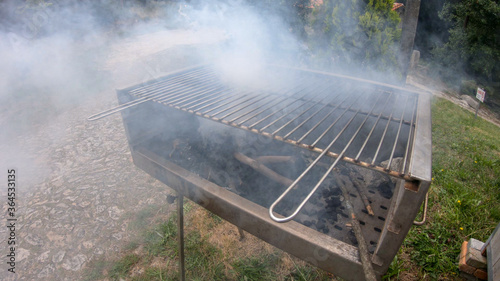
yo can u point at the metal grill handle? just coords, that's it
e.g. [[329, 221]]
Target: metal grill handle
[[117, 109], [330, 169]]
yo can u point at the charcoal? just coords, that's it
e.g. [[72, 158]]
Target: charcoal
[[211, 155], [320, 225]]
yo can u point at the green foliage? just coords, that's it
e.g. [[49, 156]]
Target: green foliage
[[468, 87], [355, 33], [473, 47]]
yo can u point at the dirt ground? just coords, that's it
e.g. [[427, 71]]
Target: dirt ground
[[79, 194], [418, 79]]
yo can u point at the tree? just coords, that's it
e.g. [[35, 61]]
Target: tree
[[473, 47], [432, 31], [355, 33]]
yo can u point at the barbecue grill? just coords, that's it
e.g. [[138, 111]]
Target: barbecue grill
[[287, 156]]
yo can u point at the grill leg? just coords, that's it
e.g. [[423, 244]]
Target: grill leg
[[242, 234], [180, 231]]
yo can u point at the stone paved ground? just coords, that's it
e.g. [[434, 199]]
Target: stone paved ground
[[82, 210], [79, 196]]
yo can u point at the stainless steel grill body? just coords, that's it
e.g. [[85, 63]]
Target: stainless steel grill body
[[370, 125]]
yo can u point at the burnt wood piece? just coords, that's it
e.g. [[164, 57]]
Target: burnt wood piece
[[361, 190], [261, 168], [363, 250]]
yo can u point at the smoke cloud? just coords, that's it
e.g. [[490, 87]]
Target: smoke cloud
[[60, 56]]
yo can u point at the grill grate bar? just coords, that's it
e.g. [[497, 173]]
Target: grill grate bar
[[410, 139], [211, 96], [270, 103], [152, 95], [233, 106], [384, 134], [321, 121], [313, 164], [279, 98], [261, 111], [290, 112], [236, 97], [305, 121], [372, 130], [276, 111], [198, 93], [182, 78], [167, 90], [297, 116], [263, 97], [212, 101], [397, 136], [335, 122], [270, 106], [181, 91]]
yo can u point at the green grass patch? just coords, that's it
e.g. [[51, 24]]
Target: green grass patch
[[464, 199], [255, 268], [141, 219], [95, 269], [306, 273], [157, 274], [162, 240], [157, 259], [203, 260], [123, 266]]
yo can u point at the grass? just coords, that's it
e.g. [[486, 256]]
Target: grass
[[123, 266], [256, 268], [213, 251], [464, 200], [161, 241]]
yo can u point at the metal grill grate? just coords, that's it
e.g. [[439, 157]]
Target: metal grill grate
[[317, 113], [347, 119]]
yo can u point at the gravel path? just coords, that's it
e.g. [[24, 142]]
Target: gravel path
[[82, 210], [79, 197], [424, 83]]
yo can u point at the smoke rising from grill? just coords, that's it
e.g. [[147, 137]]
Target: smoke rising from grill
[[61, 61]]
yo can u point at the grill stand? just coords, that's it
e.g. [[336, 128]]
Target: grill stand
[[180, 228]]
